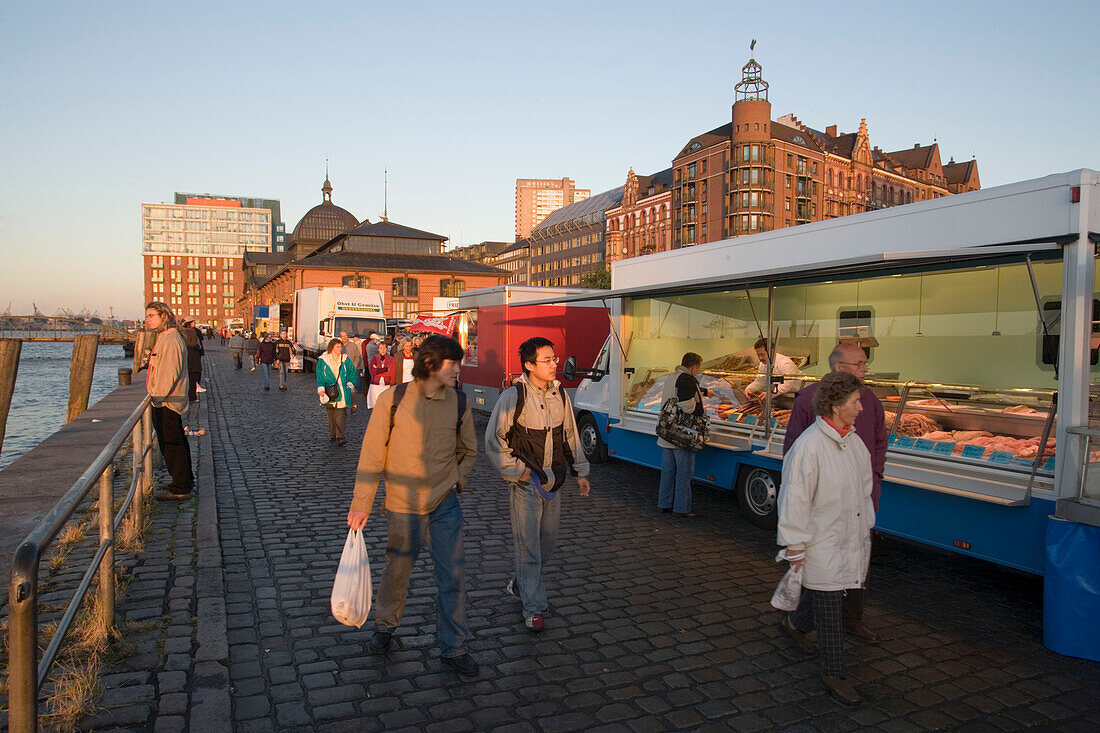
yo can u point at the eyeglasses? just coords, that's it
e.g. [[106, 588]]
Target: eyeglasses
[[551, 360], [853, 363]]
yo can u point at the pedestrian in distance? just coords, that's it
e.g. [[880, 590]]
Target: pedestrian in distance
[[533, 443], [236, 348], [265, 358], [355, 353], [825, 521], [284, 351], [356, 344], [167, 385], [421, 438], [193, 340], [403, 360], [335, 387], [870, 426], [382, 374], [370, 346], [678, 464], [251, 346]]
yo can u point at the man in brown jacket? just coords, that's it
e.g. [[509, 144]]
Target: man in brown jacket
[[425, 449], [167, 384]]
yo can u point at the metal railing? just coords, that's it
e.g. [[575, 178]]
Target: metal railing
[[26, 673]]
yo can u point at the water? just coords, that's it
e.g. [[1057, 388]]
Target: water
[[42, 392]]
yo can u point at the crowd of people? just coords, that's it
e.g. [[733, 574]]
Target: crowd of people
[[420, 438]]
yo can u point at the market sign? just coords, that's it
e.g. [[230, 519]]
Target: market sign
[[443, 325]]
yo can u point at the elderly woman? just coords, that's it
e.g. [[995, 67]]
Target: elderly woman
[[334, 369], [825, 521]]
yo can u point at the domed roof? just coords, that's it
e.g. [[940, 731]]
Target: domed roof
[[323, 222]]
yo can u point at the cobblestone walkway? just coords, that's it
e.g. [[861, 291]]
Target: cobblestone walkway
[[657, 623]]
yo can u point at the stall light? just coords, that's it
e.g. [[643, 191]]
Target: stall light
[[997, 306], [920, 306]]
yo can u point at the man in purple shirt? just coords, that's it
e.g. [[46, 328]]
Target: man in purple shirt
[[870, 426]]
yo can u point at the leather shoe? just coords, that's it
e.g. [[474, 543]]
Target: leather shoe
[[802, 639], [464, 664], [861, 632], [173, 496], [842, 689], [688, 515], [380, 642]]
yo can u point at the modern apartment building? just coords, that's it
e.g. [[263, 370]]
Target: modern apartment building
[[193, 254], [278, 228], [536, 198]]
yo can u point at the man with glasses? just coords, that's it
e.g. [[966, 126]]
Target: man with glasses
[[532, 440], [870, 426]]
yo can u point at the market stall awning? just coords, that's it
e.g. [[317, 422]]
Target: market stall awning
[[443, 325]]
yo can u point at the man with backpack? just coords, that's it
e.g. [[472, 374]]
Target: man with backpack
[[284, 350], [421, 438], [532, 439]]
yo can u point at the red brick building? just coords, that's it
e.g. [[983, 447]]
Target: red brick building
[[642, 223], [756, 174]]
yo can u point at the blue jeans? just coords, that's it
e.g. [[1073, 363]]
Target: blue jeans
[[535, 531], [283, 365], [443, 529], [266, 369], [677, 469]]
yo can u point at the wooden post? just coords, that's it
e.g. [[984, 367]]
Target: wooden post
[[9, 367], [81, 368], [142, 342]]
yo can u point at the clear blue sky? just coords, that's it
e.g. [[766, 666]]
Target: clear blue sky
[[107, 105]]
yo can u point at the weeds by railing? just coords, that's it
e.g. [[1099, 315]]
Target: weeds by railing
[[26, 673]]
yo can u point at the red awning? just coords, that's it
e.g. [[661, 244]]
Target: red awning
[[443, 325]]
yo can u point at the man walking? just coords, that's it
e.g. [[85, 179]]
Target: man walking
[[870, 426], [284, 350], [166, 383], [531, 439], [421, 438], [236, 348], [265, 357]]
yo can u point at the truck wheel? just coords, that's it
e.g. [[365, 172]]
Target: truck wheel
[[595, 450], [757, 494]]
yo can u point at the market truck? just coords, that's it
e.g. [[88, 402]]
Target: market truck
[[981, 322], [491, 323], [321, 313]]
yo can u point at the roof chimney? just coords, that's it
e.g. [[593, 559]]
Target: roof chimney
[[831, 130], [916, 146]]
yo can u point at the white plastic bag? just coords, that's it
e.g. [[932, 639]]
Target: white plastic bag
[[789, 591], [351, 593]]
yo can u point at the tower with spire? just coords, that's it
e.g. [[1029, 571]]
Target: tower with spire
[[752, 112]]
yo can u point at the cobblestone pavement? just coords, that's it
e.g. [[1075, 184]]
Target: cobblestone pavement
[[657, 623]]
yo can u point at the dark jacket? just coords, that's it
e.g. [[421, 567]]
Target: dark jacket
[[284, 349], [266, 353], [193, 341], [870, 426]]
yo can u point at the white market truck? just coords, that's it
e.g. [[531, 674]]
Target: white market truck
[[321, 313], [980, 317]]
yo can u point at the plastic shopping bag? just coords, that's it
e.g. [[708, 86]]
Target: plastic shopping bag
[[351, 593], [789, 591]]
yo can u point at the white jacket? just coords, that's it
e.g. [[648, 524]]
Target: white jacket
[[825, 507]]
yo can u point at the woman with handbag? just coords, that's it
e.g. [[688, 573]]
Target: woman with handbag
[[382, 369], [335, 387], [678, 463]]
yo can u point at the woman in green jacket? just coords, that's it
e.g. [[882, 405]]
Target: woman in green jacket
[[335, 368]]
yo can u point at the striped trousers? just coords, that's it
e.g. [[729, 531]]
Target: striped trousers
[[823, 610]]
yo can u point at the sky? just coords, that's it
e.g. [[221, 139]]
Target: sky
[[108, 105]]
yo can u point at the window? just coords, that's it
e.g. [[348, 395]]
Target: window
[[451, 288], [788, 177], [787, 204]]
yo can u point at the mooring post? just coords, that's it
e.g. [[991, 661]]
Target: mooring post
[[9, 367], [81, 368], [107, 535], [142, 341]]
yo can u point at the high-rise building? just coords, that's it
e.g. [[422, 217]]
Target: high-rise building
[[278, 228], [569, 243], [757, 174], [193, 254], [536, 198]]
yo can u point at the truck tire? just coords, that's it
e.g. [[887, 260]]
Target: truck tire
[[757, 496], [595, 450]]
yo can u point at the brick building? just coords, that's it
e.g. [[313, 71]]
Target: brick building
[[756, 174], [514, 259], [570, 243], [479, 252], [192, 254], [406, 264], [642, 223], [536, 198]]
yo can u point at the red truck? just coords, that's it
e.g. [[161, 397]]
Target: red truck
[[493, 322]]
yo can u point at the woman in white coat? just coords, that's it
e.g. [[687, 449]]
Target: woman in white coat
[[825, 521]]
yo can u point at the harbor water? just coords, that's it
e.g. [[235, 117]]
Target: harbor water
[[42, 392]]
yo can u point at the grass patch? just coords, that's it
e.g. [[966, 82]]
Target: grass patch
[[75, 688]]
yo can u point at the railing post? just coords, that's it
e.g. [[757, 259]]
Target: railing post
[[138, 506], [107, 534], [23, 641], [147, 431]]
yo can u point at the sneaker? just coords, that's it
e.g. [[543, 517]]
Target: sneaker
[[534, 623], [510, 589], [381, 640], [802, 639], [842, 689], [200, 389], [282, 388], [464, 664]]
